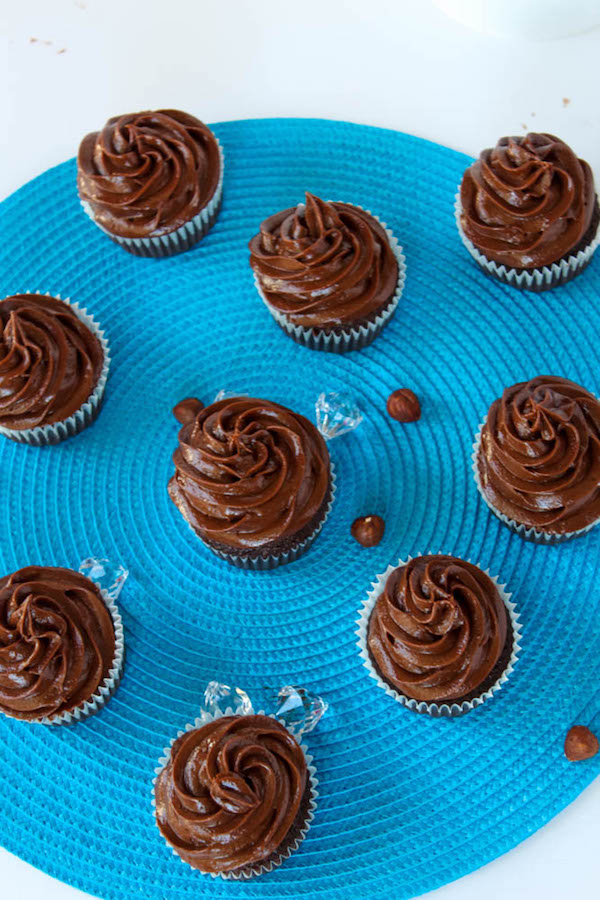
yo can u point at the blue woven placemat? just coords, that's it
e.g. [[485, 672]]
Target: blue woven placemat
[[407, 803]]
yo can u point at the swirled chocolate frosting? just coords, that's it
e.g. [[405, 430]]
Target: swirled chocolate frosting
[[50, 362], [57, 641], [147, 174], [539, 457], [324, 264], [250, 474], [231, 792], [438, 630], [527, 202]]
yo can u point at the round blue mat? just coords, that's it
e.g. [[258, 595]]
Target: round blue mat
[[407, 803]]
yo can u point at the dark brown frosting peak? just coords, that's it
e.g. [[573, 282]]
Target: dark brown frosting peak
[[50, 362], [324, 264], [147, 174], [539, 460], [231, 792], [57, 641], [438, 629], [527, 202], [249, 473]]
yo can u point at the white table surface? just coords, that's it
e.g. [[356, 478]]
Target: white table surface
[[70, 64]]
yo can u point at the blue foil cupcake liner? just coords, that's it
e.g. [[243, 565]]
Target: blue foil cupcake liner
[[435, 710]]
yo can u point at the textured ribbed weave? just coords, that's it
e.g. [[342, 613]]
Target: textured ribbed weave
[[406, 802]]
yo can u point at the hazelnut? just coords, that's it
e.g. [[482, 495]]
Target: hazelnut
[[368, 530], [187, 410], [580, 743], [403, 405]]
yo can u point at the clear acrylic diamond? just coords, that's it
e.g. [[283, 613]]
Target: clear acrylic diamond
[[227, 395], [108, 575], [218, 697], [299, 708], [337, 413]]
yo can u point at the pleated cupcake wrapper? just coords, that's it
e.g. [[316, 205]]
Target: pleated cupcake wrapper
[[529, 533], [353, 338], [259, 868], [541, 279], [263, 563], [105, 691], [176, 241], [436, 710], [85, 415]]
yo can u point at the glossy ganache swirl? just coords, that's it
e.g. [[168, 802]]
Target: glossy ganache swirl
[[57, 641], [539, 457], [231, 792], [438, 630], [148, 173], [324, 264], [250, 473], [50, 362], [528, 201]]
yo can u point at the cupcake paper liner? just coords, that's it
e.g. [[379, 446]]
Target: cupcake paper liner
[[263, 563], [536, 280], [528, 533], [85, 415], [353, 338], [105, 691], [441, 710], [176, 241], [260, 868]]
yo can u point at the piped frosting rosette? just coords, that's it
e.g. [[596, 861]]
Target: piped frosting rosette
[[61, 646], [438, 634], [54, 362], [252, 479], [536, 459], [234, 794], [527, 212], [153, 181], [331, 274]]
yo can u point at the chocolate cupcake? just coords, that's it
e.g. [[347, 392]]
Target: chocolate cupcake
[[439, 635], [53, 369], [252, 479], [152, 180], [61, 646], [234, 796], [528, 213], [331, 274], [536, 459]]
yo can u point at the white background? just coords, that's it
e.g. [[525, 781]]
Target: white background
[[70, 64]]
